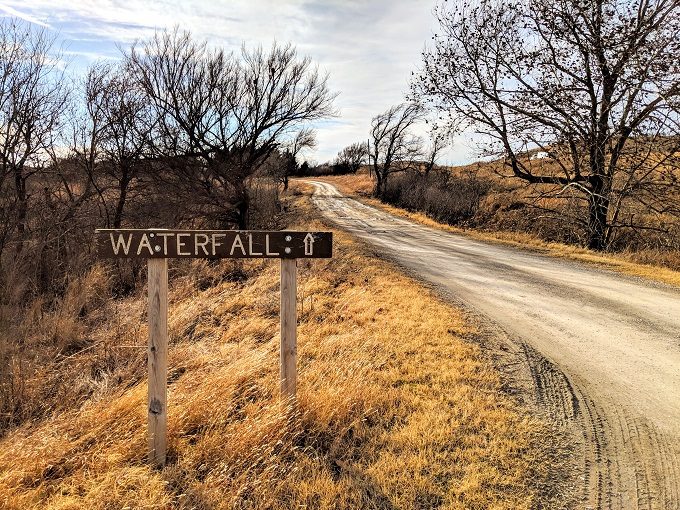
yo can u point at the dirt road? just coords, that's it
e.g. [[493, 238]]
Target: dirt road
[[602, 349]]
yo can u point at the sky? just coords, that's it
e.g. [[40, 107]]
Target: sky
[[369, 48]]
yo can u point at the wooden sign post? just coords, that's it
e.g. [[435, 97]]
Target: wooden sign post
[[157, 356], [158, 245], [288, 374]]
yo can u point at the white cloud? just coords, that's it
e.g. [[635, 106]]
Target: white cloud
[[23, 16], [368, 47]]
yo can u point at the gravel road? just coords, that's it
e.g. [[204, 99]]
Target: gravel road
[[603, 350]]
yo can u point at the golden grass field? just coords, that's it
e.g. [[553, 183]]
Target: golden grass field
[[650, 264], [398, 407]]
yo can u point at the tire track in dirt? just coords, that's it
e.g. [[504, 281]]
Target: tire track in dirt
[[600, 351]]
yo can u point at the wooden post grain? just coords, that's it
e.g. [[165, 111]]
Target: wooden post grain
[[288, 327], [158, 360]]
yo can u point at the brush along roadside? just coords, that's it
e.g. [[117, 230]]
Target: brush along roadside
[[656, 265], [395, 408]]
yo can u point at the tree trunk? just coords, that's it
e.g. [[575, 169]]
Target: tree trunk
[[598, 209], [285, 182], [378, 184], [21, 208], [120, 206], [242, 208]]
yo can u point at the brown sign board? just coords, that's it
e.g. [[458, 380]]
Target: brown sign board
[[213, 244]]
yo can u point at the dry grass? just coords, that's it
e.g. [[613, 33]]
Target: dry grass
[[352, 184], [650, 264], [396, 409]]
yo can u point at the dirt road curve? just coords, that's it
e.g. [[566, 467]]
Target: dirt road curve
[[603, 350]]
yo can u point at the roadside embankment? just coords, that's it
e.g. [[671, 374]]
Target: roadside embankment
[[397, 408]]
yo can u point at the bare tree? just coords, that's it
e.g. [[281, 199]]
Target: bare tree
[[594, 84], [220, 116], [350, 159], [32, 97], [278, 166], [305, 139], [394, 147], [439, 141], [121, 121]]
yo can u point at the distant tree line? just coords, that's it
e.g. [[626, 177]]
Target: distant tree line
[[392, 147], [348, 161]]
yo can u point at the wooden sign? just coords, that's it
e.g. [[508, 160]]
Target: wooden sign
[[158, 245], [213, 244]]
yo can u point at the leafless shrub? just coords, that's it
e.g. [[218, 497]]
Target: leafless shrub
[[439, 194]]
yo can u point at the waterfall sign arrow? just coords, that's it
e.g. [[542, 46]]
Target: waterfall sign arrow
[[309, 244]]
